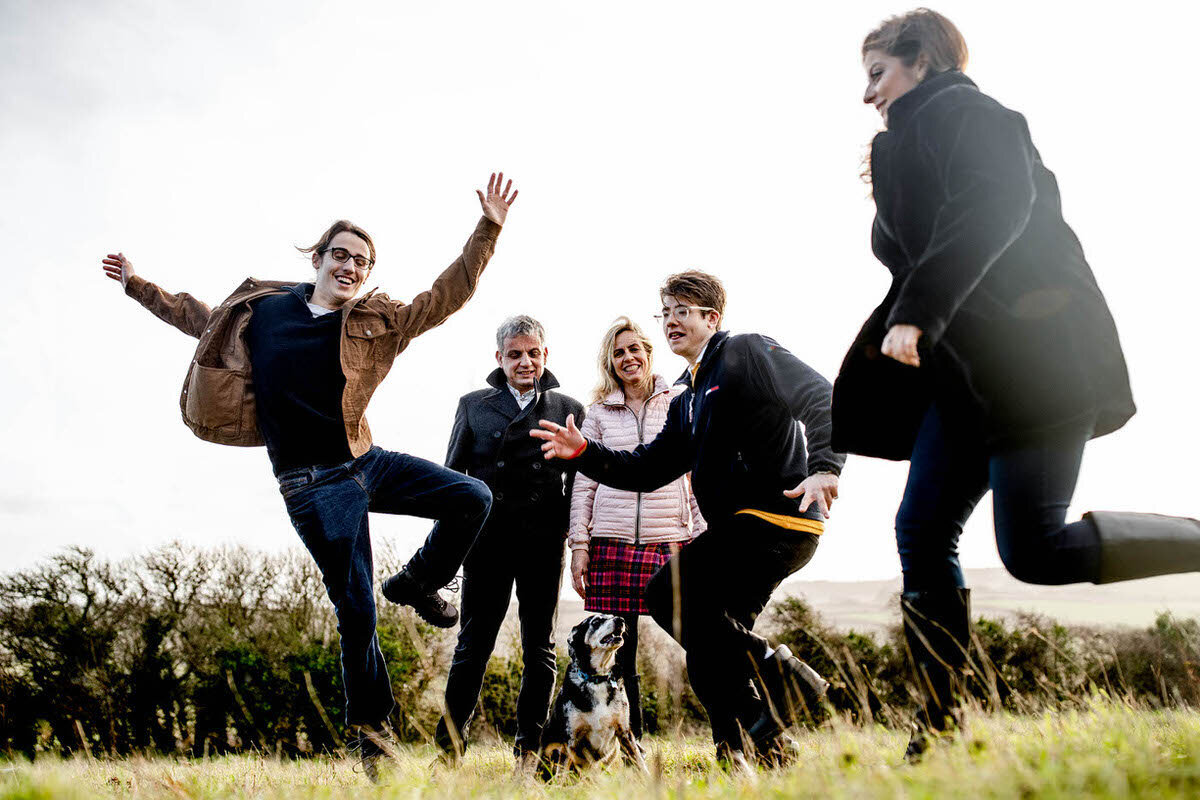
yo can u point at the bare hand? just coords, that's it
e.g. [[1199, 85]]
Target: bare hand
[[560, 441], [901, 344], [496, 203], [579, 567], [821, 489], [118, 267]]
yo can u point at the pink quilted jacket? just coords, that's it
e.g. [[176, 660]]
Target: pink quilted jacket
[[668, 514]]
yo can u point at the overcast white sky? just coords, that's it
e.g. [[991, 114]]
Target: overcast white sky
[[205, 140]]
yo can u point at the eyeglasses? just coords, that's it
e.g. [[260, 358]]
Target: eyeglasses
[[341, 255], [680, 313]]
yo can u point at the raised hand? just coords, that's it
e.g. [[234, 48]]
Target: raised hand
[[821, 489], [901, 344], [496, 203], [118, 267], [560, 441]]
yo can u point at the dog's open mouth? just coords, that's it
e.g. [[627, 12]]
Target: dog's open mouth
[[611, 638]]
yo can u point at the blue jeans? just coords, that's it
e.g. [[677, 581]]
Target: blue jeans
[[1031, 485], [328, 506]]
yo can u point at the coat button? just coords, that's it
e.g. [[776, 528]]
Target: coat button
[[496, 434], [368, 331], [498, 495], [535, 497], [500, 464], [536, 465]]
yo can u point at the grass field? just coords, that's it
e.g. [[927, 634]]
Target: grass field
[[1107, 750]]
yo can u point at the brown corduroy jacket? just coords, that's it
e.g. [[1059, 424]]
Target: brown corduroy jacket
[[217, 400]]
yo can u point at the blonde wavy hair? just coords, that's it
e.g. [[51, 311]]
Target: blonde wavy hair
[[609, 381]]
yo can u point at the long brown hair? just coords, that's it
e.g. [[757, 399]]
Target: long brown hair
[[906, 37], [920, 31], [609, 381]]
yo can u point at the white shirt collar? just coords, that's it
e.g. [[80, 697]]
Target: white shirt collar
[[523, 398]]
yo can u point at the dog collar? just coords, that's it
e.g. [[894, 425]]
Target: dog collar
[[590, 678]]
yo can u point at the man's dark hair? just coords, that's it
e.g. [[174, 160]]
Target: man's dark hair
[[697, 288], [341, 226]]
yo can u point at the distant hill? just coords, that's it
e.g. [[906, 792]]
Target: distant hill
[[873, 605]]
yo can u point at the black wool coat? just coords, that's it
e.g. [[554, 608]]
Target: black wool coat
[[490, 441], [1017, 341]]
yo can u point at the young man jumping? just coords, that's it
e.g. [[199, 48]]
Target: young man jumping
[[736, 428], [293, 366]]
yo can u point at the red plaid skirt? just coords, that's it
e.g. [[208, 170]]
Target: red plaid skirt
[[619, 571]]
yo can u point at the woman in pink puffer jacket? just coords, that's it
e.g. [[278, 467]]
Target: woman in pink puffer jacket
[[619, 539]]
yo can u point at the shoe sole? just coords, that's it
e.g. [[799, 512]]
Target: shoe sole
[[390, 595]]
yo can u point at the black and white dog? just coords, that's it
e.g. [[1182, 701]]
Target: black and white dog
[[590, 722]]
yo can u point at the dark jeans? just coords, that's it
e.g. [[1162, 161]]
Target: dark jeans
[[506, 554], [1032, 485], [726, 576], [328, 507]]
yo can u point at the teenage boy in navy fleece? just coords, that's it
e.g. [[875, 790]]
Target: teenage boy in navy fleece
[[765, 486]]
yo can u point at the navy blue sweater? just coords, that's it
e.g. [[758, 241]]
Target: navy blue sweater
[[296, 367]]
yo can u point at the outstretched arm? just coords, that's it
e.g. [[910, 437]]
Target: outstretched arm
[[457, 283], [643, 469], [181, 310]]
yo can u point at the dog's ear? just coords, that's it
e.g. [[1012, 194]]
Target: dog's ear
[[577, 646]]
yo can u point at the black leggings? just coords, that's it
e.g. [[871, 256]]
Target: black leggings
[[950, 472]]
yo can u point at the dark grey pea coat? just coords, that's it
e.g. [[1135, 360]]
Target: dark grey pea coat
[[490, 441]]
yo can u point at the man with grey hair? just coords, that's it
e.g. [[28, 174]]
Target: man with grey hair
[[522, 541]]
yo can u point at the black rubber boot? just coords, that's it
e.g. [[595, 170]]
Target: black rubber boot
[[937, 629], [1135, 545], [792, 690], [403, 589]]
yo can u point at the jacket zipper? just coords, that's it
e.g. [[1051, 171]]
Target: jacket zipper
[[637, 520], [640, 420]]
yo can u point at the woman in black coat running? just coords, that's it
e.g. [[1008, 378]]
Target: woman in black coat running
[[990, 363]]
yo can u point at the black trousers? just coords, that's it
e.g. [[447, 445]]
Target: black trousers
[[725, 578], [626, 662], [504, 556]]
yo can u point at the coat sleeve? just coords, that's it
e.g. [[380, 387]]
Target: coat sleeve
[[569, 475], [806, 394], [181, 310], [453, 288], [699, 524], [583, 495], [648, 466], [458, 454], [984, 159]]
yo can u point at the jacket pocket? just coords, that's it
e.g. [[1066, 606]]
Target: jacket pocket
[[215, 397]]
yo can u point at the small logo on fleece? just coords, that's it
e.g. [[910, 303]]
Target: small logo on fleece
[[710, 391]]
